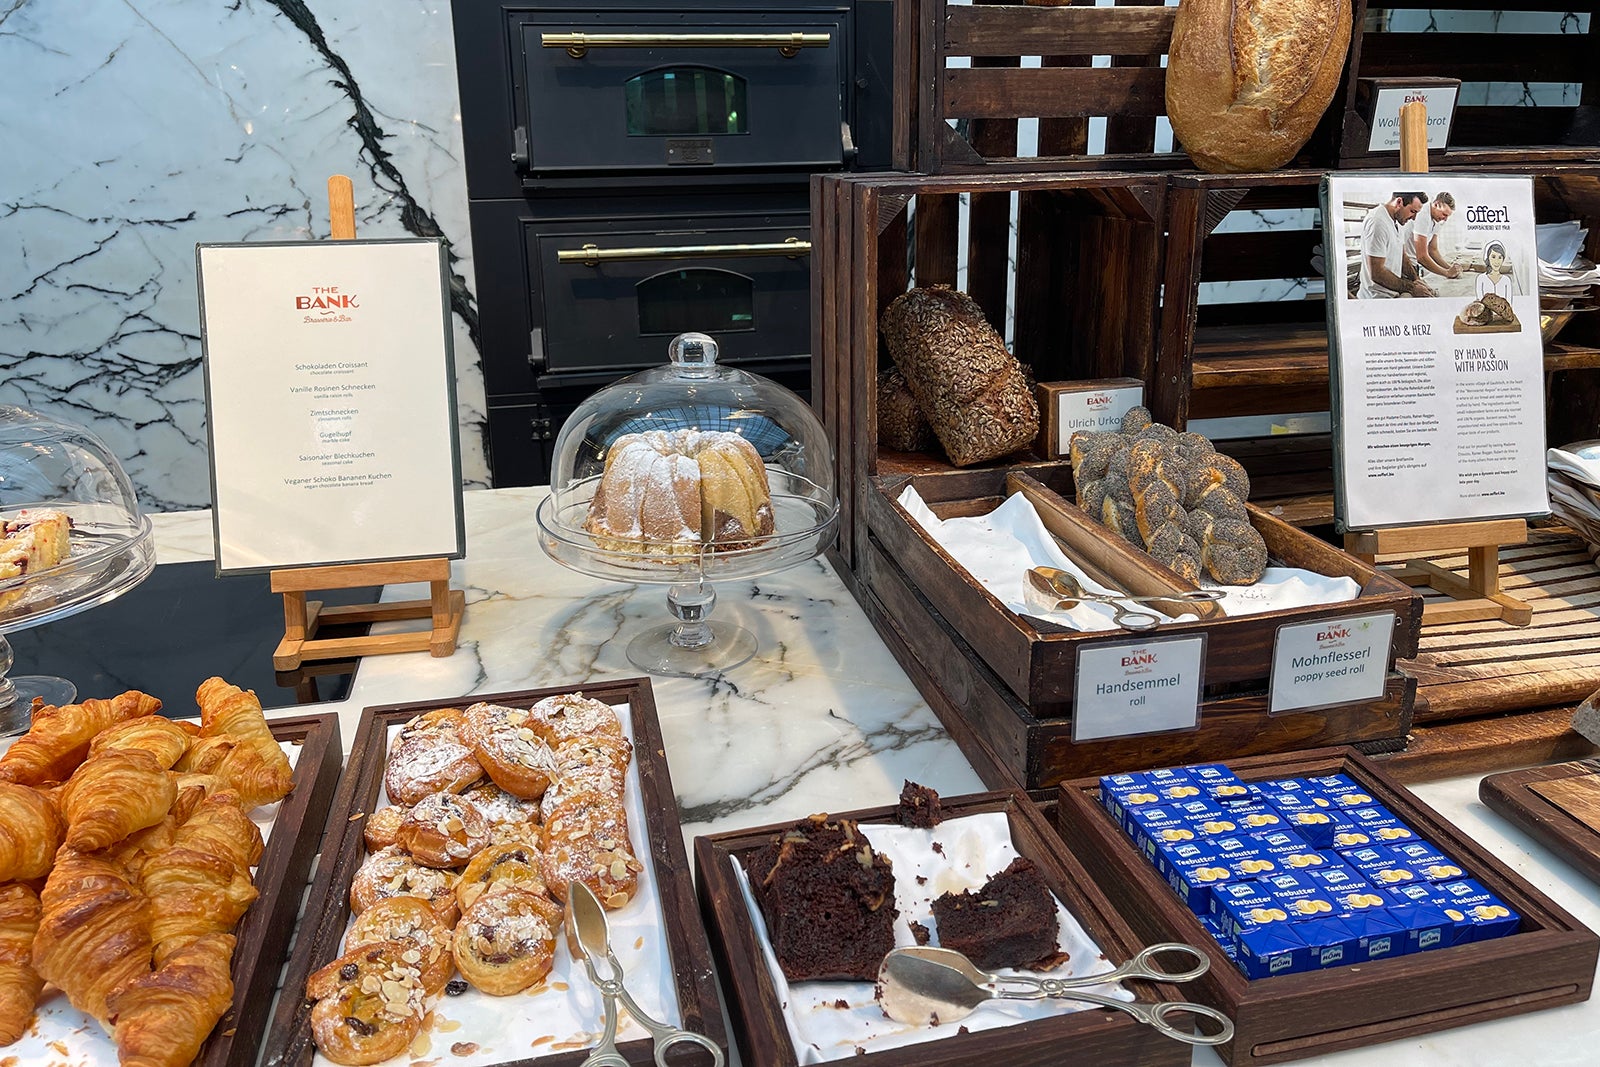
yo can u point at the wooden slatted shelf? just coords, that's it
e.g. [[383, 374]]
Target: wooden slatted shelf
[[1472, 669]]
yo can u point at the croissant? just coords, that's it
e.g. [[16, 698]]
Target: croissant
[[161, 1019], [19, 982], [132, 851], [192, 894], [114, 794], [161, 737], [192, 791], [94, 930], [256, 768], [59, 738], [205, 755], [30, 832], [219, 827]]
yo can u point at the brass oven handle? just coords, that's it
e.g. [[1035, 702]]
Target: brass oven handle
[[787, 44], [592, 255]]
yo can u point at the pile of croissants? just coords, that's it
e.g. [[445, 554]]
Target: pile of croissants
[[125, 856]]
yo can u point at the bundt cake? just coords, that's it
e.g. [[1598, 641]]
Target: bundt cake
[[670, 491]]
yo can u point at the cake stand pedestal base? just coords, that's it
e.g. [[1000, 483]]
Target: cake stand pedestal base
[[694, 645]]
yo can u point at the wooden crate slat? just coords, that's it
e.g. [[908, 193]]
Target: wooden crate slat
[[1132, 134], [1260, 254], [1054, 92], [937, 224], [1499, 124], [1058, 31]]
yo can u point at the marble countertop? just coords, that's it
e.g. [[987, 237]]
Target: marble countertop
[[822, 719]]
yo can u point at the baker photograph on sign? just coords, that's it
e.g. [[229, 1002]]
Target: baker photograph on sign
[[1437, 389], [330, 392]]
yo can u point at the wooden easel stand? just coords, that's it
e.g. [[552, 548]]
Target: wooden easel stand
[[1477, 596], [302, 618]]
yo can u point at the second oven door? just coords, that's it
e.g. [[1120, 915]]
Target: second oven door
[[615, 300], [632, 96]]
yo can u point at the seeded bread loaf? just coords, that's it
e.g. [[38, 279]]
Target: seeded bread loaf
[[900, 422], [971, 390], [1248, 80]]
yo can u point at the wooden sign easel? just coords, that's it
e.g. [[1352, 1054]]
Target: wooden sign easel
[[302, 618], [1477, 596]]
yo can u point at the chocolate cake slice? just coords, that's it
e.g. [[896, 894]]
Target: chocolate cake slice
[[828, 900], [1009, 922], [918, 808]]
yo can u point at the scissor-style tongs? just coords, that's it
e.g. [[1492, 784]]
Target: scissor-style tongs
[[589, 939], [940, 985]]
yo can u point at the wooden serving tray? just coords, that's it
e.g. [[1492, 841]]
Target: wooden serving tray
[[1008, 679], [1558, 805], [327, 911], [1103, 1037], [1550, 961]]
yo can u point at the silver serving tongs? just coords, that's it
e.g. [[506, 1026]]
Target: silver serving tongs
[[589, 939], [922, 985]]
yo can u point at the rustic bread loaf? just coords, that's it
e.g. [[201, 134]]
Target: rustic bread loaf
[[1247, 80], [972, 391], [900, 422]]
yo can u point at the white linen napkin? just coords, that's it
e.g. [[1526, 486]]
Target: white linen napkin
[[998, 548]]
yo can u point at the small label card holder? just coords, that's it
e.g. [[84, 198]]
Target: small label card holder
[[1096, 404], [1146, 686], [1379, 100], [1329, 662], [330, 390]]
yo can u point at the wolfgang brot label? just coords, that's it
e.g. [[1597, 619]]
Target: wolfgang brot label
[[1138, 687], [1440, 101], [1333, 661]]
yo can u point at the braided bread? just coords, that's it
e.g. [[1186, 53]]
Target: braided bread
[[1171, 494]]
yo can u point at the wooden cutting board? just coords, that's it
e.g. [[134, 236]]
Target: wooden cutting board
[[1559, 805], [1468, 327]]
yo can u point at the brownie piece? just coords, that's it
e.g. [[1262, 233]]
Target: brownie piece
[[828, 900], [1010, 922], [918, 808]]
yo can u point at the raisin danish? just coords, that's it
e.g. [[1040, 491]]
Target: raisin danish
[[443, 830], [514, 756], [588, 842], [507, 940], [515, 863], [390, 872], [412, 921], [369, 1003], [382, 827], [429, 756]]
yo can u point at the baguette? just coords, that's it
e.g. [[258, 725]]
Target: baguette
[[1248, 80]]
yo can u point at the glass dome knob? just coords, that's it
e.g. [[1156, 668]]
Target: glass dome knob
[[692, 354]]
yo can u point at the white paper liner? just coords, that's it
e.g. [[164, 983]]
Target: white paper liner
[[1581, 460], [998, 548], [972, 849], [61, 1034], [564, 1011]]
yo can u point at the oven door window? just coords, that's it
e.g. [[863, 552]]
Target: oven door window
[[696, 299], [686, 102], [674, 98]]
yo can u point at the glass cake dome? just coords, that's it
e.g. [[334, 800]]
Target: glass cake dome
[[50, 568], [659, 478]]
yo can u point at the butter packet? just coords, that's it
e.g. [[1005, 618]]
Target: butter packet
[[1246, 855], [1486, 915], [1340, 790], [1194, 875], [1379, 864], [1429, 862], [1289, 850], [1256, 816], [1263, 952], [1298, 787], [1290, 802], [1320, 827], [1425, 912], [1338, 877], [1300, 896], [1219, 784], [1381, 824], [1154, 827], [1119, 793]]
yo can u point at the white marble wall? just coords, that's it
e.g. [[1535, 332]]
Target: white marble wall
[[131, 130]]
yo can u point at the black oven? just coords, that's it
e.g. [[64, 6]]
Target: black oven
[[631, 91], [639, 168]]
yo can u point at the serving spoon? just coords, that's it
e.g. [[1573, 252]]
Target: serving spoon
[[1054, 589], [929, 986]]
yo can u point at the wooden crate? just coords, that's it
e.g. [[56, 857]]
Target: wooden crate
[[1483, 134], [1095, 1036], [1557, 806], [965, 63], [1085, 308], [1550, 961], [327, 911], [1009, 680], [1220, 358], [1083, 280]]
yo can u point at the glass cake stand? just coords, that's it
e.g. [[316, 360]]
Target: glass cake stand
[[693, 393], [45, 463]]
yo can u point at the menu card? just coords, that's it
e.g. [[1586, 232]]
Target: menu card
[[1436, 363], [330, 392]]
